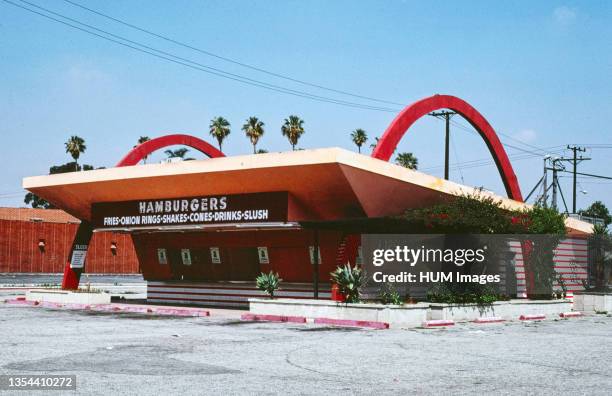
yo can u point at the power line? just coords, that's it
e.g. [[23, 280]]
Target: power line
[[489, 161], [542, 151], [226, 59], [591, 175], [457, 156], [192, 64]]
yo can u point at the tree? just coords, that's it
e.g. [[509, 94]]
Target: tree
[[75, 146], [36, 201], [600, 244], [178, 153], [69, 167], [219, 129], [254, 129], [141, 140], [597, 210], [373, 145], [261, 151], [359, 137], [293, 129], [407, 160]]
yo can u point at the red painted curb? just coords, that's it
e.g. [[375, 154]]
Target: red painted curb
[[492, 319], [273, 318], [180, 312], [532, 317], [352, 323], [104, 308], [136, 309], [438, 323], [48, 304], [21, 302], [195, 312], [571, 314]]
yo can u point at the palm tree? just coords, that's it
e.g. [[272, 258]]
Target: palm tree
[[141, 140], [407, 160], [293, 129], [254, 130], [373, 145], [178, 153], [219, 129], [75, 146], [359, 137]]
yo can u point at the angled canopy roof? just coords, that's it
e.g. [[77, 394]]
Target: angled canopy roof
[[325, 184]]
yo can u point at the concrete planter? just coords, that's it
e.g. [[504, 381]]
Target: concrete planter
[[410, 315], [593, 302], [67, 297], [508, 310]]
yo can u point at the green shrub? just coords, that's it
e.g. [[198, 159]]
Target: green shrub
[[268, 283], [350, 280], [451, 293], [389, 295]]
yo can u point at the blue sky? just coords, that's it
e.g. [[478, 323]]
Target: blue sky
[[540, 72]]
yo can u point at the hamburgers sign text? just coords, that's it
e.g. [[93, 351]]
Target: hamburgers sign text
[[237, 208]]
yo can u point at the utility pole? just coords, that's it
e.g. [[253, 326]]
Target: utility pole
[[575, 161], [545, 183], [447, 116], [555, 182]]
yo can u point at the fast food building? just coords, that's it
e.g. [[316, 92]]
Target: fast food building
[[204, 229]]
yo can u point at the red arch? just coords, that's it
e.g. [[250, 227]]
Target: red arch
[[404, 120], [142, 150]]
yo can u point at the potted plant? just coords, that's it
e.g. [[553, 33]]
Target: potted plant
[[336, 295], [268, 283], [350, 280]]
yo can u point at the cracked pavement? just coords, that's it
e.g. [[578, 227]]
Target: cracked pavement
[[140, 354]]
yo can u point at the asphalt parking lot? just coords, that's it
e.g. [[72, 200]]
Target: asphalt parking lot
[[140, 354]]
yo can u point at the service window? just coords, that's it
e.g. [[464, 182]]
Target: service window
[[262, 253], [162, 256], [186, 256], [215, 255]]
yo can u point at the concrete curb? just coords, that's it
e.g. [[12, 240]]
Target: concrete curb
[[491, 319], [273, 318], [438, 323], [352, 323], [115, 308], [532, 317], [21, 301], [571, 314]]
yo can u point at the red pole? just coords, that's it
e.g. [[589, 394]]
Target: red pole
[[75, 263]]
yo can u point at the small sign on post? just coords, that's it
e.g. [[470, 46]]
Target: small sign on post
[[78, 256]]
